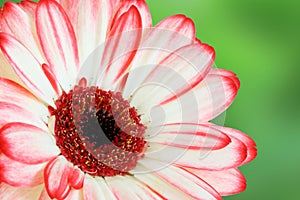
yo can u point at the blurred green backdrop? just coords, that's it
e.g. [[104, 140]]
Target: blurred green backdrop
[[258, 40]]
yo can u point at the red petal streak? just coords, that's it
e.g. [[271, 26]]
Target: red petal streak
[[28, 5], [82, 82], [122, 82], [187, 136], [249, 143], [189, 184], [27, 144], [14, 93], [230, 156], [26, 67], [176, 75], [228, 74], [198, 58], [213, 95], [52, 79], [18, 174], [180, 24], [141, 7], [56, 178], [223, 91], [13, 113], [121, 46], [206, 64], [58, 41], [168, 36], [76, 178], [74, 195], [19, 15], [92, 17], [226, 182]]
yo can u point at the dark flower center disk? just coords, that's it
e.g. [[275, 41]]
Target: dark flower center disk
[[98, 131]]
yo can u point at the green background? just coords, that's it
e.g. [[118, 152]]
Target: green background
[[258, 40]]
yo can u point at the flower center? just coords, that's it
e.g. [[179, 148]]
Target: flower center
[[98, 131]]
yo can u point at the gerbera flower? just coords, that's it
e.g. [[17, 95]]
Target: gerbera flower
[[98, 104]]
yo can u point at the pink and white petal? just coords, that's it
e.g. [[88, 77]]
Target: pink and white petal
[[142, 7], [227, 74], [71, 8], [128, 188], [19, 15], [120, 49], [13, 93], [28, 6], [171, 34], [160, 186], [75, 195], [56, 176], [187, 136], [210, 98], [76, 178], [24, 64], [67, 6], [96, 188], [106, 191], [58, 41], [51, 77], [8, 192], [165, 182], [179, 23], [91, 17], [249, 142], [191, 185], [201, 57], [226, 182], [230, 156], [19, 174], [181, 71], [13, 113], [27, 144], [6, 71], [223, 87], [158, 43]]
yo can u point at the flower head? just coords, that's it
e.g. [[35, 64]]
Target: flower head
[[96, 103]]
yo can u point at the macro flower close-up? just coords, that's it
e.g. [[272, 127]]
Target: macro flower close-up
[[98, 103]]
